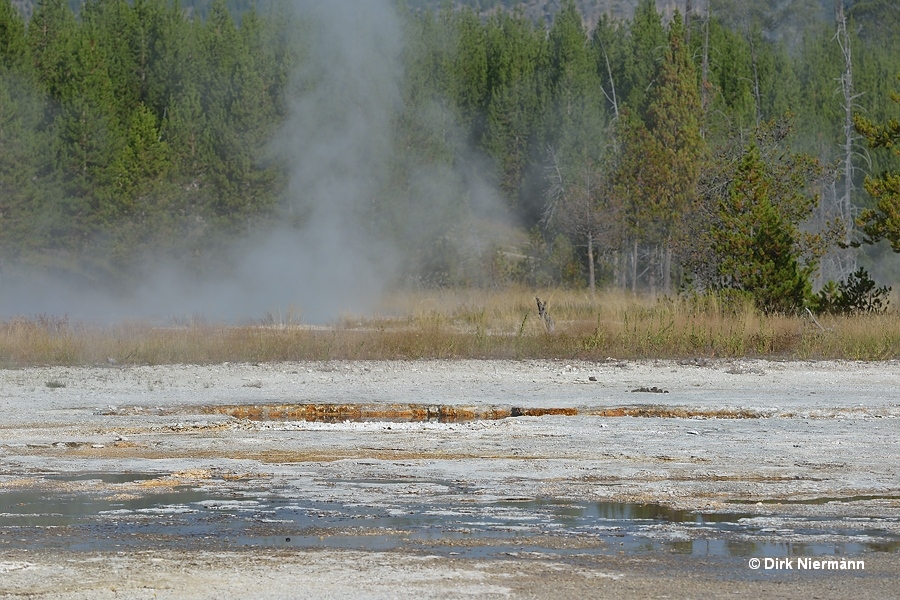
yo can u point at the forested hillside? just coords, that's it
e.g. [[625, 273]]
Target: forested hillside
[[466, 145]]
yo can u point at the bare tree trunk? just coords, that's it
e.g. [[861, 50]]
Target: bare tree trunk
[[843, 38], [667, 271], [634, 259], [704, 79], [612, 86], [617, 268], [591, 283], [835, 200], [754, 61], [687, 23]]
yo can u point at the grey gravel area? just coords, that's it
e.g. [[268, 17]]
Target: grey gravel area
[[800, 454]]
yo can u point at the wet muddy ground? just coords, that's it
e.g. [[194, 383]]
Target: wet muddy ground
[[447, 479]]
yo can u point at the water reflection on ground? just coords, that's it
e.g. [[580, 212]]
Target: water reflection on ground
[[93, 516]]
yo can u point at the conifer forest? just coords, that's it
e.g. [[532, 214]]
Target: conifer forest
[[709, 146]]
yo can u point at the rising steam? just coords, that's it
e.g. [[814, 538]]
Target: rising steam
[[337, 144]]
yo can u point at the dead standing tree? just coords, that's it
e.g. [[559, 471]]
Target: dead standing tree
[[545, 315], [583, 209], [850, 136], [836, 213]]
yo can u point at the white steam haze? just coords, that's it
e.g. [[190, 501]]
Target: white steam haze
[[337, 144]]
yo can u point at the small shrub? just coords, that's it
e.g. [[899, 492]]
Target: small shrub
[[857, 294], [54, 384]]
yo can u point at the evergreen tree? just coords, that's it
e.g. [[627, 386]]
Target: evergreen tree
[[576, 121], [24, 152], [111, 26], [732, 75], [468, 73], [756, 244], [88, 130], [139, 123], [638, 168], [673, 118], [13, 48], [648, 42], [235, 102], [882, 221], [820, 114], [783, 95], [746, 230], [20, 120], [170, 61], [52, 34], [514, 138], [144, 157], [185, 131]]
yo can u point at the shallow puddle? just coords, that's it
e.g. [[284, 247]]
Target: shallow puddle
[[127, 477], [20, 508], [117, 513]]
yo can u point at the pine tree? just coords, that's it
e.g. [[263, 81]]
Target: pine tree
[[169, 59], [185, 131], [746, 230], [144, 157], [111, 26], [756, 244], [24, 152], [88, 129], [820, 114], [882, 221], [13, 48], [517, 57], [648, 41], [637, 169], [225, 65], [673, 118], [51, 35], [468, 73], [577, 117], [783, 95]]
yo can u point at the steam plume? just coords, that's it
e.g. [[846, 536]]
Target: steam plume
[[336, 144]]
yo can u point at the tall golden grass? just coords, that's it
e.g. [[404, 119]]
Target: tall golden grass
[[468, 324]]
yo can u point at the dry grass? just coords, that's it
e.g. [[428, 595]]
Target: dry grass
[[468, 324]]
